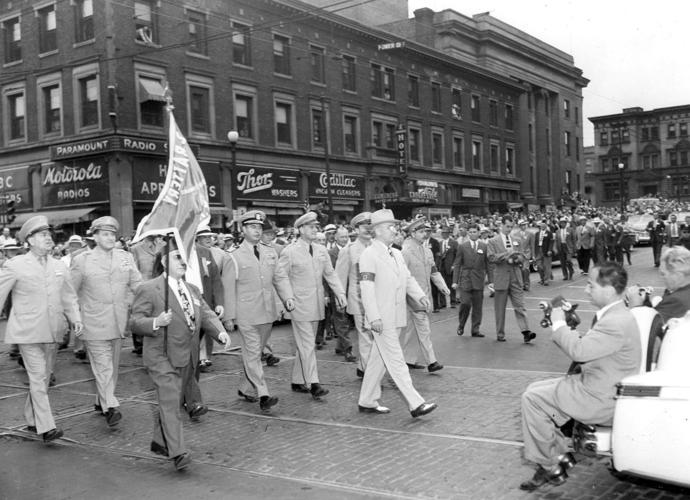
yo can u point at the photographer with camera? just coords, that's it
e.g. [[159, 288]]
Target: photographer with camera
[[607, 353]]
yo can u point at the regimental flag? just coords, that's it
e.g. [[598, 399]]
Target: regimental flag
[[182, 206]]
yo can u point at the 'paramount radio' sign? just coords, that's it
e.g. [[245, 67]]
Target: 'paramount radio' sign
[[343, 186]]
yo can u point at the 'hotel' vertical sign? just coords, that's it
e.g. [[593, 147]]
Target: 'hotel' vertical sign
[[401, 135]]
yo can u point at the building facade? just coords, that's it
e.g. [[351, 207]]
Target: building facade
[[320, 102], [640, 153]]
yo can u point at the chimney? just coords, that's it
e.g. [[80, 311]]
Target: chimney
[[425, 33]]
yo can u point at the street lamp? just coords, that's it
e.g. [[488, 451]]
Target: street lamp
[[233, 137], [621, 166]]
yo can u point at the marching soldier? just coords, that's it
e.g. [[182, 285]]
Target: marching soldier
[[42, 294], [307, 265], [249, 276], [105, 280]]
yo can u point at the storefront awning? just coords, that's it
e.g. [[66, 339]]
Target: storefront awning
[[150, 90], [58, 217]]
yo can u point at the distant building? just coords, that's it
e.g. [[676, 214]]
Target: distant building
[[645, 152]]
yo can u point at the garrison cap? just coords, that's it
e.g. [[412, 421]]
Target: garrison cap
[[105, 223], [308, 218], [361, 218], [33, 225], [253, 217]]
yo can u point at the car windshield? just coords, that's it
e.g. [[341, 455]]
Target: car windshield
[[639, 222]]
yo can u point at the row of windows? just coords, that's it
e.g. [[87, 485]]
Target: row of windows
[[649, 161], [650, 133]]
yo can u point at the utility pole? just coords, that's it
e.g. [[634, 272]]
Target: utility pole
[[327, 159], [621, 166]]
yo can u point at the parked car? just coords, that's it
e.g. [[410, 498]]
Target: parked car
[[638, 225]]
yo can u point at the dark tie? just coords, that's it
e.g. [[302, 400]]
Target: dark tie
[[256, 252], [186, 306], [575, 367], [507, 242], [311, 250]]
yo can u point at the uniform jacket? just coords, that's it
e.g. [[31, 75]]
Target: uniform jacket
[[105, 283], [149, 302], [210, 277], [306, 273], [471, 268], [41, 298], [421, 265], [569, 240], [547, 243], [248, 285], [584, 237], [347, 269], [608, 352], [386, 282], [503, 271], [448, 257], [145, 258]]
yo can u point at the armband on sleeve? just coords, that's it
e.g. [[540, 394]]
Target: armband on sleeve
[[367, 276]]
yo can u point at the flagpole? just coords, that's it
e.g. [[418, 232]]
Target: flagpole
[[166, 287]]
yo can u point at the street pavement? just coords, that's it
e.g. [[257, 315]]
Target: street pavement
[[470, 448]]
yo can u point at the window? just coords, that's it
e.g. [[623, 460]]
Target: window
[[145, 17], [49, 104], [615, 136], [510, 161], [316, 58], [435, 97], [566, 108], [493, 156], [683, 158], [493, 113], [47, 29], [458, 152], [474, 106], [245, 112], [197, 33], [671, 130], [683, 129], [625, 135], [437, 147], [605, 165], [603, 138], [476, 154], [83, 20], [15, 119], [383, 134], [199, 103], [673, 158], [646, 162], [350, 132], [413, 91], [152, 100], [566, 143], [654, 133], [456, 106], [509, 117], [577, 148], [577, 122], [284, 121], [382, 82], [13, 40], [281, 55], [349, 73], [241, 46], [88, 100], [317, 128], [655, 161], [414, 144], [644, 134]]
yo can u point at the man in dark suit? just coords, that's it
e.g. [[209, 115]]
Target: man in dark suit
[[607, 353], [584, 240], [340, 318], [469, 274], [435, 246], [543, 252], [657, 236], [212, 291], [170, 338], [449, 247], [565, 247], [600, 237]]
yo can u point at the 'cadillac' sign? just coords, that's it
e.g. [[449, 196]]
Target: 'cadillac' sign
[[343, 186], [255, 183]]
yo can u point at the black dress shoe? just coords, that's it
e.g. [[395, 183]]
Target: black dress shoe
[[434, 367], [265, 402], [182, 461], [317, 392], [113, 417], [98, 408], [478, 334], [423, 409], [272, 360], [247, 397], [460, 331], [528, 335], [198, 410], [53, 381], [80, 354], [159, 449], [556, 475], [500, 339], [567, 461], [300, 388], [376, 409], [137, 351], [360, 373], [415, 366], [52, 435], [31, 428]]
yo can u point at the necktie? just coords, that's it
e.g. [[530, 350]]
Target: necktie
[[594, 321], [390, 252], [256, 252], [507, 242], [186, 306], [311, 250]]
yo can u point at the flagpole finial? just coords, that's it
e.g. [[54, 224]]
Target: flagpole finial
[[167, 93]]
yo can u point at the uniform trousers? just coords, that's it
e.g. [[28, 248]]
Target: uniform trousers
[[416, 338], [253, 339], [304, 369], [517, 299], [386, 354], [104, 356], [364, 340], [167, 424], [39, 360], [470, 300], [541, 421]]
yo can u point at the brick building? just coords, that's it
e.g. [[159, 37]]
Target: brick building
[[647, 153], [394, 119]]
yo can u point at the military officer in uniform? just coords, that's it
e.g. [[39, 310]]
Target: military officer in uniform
[[249, 276], [420, 262], [307, 265], [386, 283], [105, 280], [347, 269], [42, 295], [170, 336]]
